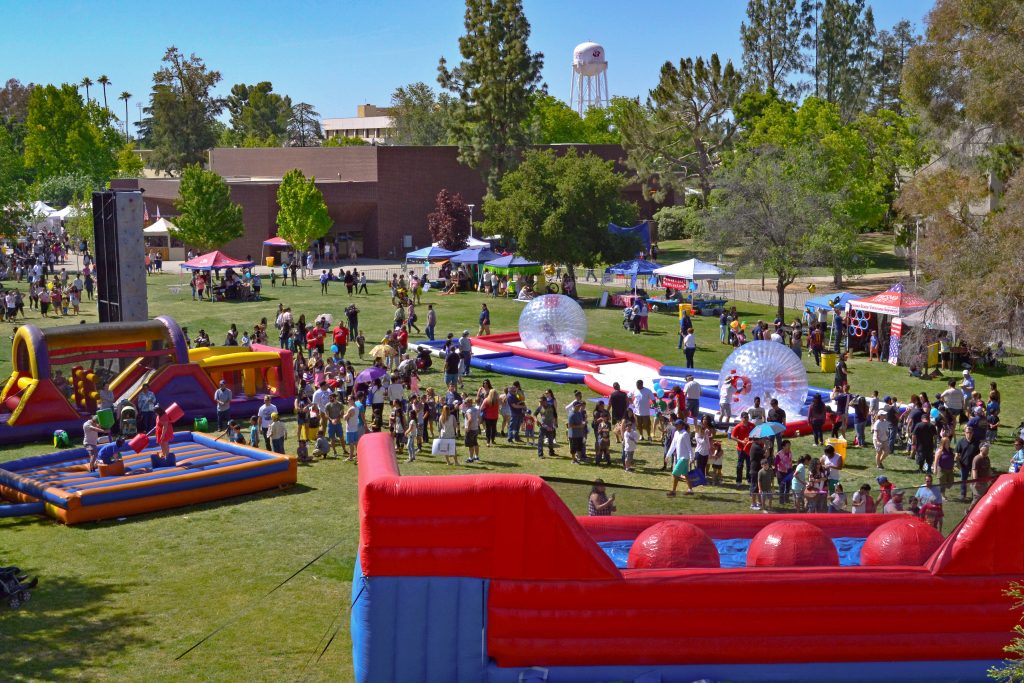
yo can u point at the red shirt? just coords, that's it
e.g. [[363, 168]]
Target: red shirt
[[403, 339], [741, 433], [315, 338], [340, 335]]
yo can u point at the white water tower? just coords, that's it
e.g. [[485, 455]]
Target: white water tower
[[589, 78]]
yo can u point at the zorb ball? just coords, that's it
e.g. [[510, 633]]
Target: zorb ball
[[768, 370], [553, 323]]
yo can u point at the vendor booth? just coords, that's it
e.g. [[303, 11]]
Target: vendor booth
[[639, 273], [883, 312], [273, 243], [157, 237], [696, 282], [517, 270], [233, 284]]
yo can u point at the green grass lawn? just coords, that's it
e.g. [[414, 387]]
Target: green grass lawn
[[878, 248], [119, 600]]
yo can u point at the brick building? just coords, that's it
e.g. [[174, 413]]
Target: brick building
[[378, 197]]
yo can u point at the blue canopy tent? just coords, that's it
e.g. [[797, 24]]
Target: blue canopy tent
[[828, 301], [428, 254], [633, 267], [641, 231], [474, 256]]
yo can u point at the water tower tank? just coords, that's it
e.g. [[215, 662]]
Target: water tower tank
[[588, 59]]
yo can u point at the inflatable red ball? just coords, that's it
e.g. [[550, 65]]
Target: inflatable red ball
[[673, 545], [906, 541], [792, 543]]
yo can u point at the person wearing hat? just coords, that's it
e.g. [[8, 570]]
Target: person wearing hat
[[895, 504], [682, 455], [885, 489], [465, 353], [276, 433], [223, 397]]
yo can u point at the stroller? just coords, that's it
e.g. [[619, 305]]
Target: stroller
[[127, 420], [15, 587], [627, 318]]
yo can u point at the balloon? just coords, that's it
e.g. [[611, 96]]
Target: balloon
[[734, 324], [662, 405], [692, 286], [743, 326], [334, 348], [553, 323], [767, 370], [659, 391], [665, 384]]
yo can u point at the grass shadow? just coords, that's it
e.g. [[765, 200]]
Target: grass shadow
[[69, 626]]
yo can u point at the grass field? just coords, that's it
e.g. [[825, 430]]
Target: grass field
[[120, 600]]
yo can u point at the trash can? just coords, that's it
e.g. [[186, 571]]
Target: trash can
[[270, 261], [828, 361], [840, 446]]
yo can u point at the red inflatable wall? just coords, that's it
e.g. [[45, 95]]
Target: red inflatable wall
[[728, 526]]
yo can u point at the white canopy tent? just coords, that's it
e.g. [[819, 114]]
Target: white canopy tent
[[160, 228], [939, 317], [158, 238], [471, 243], [691, 269]]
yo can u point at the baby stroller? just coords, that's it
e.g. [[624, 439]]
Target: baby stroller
[[15, 587], [128, 421], [627, 318], [423, 359]]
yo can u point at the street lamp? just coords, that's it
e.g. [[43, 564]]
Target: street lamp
[[471, 207]]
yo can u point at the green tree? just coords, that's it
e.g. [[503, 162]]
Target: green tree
[[344, 141], [772, 53], [893, 47], [494, 84], [422, 117], [772, 206], [678, 222], [258, 113], [129, 163], [841, 39], [555, 122], [14, 110], [449, 221], [557, 209], [78, 223], [302, 214], [304, 126], [13, 188], [125, 96], [61, 190], [182, 112], [86, 83], [677, 139], [207, 219], [64, 134]]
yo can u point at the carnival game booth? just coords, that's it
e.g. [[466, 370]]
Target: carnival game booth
[[884, 312], [638, 274], [698, 283], [58, 372], [517, 269], [491, 578], [158, 238], [473, 258], [232, 285], [278, 243]]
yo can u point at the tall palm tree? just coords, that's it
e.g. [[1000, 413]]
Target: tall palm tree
[[125, 96], [104, 80], [86, 82]]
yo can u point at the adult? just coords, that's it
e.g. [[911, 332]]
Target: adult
[[758, 455], [491, 408], [689, 346], [465, 353], [683, 458], [783, 470], [832, 463], [600, 504], [642, 399], [685, 326], [928, 493], [485, 320], [880, 438], [776, 414], [692, 391], [452, 364], [741, 435], [816, 418], [91, 431], [577, 429], [222, 397], [265, 415], [756, 412], [842, 374], [981, 473], [618, 403], [923, 440], [146, 405]]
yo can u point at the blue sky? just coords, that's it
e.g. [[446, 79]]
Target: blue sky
[[336, 55]]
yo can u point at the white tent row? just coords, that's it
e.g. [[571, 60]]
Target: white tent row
[[691, 269], [471, 243], [161, 228]]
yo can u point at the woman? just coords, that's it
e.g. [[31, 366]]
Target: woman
[[600, 504], [491, 411], [231, 339], [505, 411], [842, 399], [164, 434], [816, 418], [945, 464], [861, 418], [816, 491], [446, 430], [483, 391]]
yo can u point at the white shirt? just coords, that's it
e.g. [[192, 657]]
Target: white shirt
[[954, 399], [880, 431], [776, 337], [833, 463], [642, 402], [690, 341], [321, 397], [681, 448], [264, 413], [756, 415], [692, 389], [860, 503], [726, 392]]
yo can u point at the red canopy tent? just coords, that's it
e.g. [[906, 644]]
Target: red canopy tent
[[895, 301], [276, 242], [214, 260]]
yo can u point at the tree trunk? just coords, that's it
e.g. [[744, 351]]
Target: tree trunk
[[837, 278], [780, 289]]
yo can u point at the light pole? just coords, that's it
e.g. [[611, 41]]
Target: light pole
[[471, 207]]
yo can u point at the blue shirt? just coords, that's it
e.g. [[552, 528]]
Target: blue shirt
[[109, 453]]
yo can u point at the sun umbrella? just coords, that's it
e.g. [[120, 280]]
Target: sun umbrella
[[382, 351], [370, 374], [767, 430]]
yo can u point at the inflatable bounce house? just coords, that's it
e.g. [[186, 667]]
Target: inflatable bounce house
[[57, 372], [491, 578]]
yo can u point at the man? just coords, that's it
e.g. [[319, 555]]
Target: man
[[741, 435], [689, 346], [340, 335], [726, 392], [981, 473], [776, 414], [91, 431], [842, 377], [324, 280], [642, 399], [265, 414], [223, 397], [923, 440], [692, 390], [929, 493], [795, 338], [516, 402], [146, 404], [880, 438], [618, 402], [685, 326], [895, 504], [431, 322], [352, 315], [333, 412], [465, 352], [577, 430], [815, 342], [452, 364], [485, 320], [954, 400], [756, 412]]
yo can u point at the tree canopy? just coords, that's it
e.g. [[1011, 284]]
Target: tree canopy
[[449, 221], [555, 122], [302, 213], [13, 195], [422, 117], [304, 126], [259, 116], [494, 84], [207, 219], [771, 40], [182, 112], [557, 209]]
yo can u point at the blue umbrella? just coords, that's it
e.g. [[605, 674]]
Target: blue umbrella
[[767, 430]]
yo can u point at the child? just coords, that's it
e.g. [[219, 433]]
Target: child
[[361, 344], [716, 460], [837, 503], [254, 431], [529, 424], [471, 417], [234, 434], [668, 431], [630, 439], [411, 432], [303, 452], [602, 442], [765, 484], [323, 445], [915, 506]]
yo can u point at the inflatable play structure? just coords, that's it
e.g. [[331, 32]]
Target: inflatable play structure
[[57, 372], [490, 578], [61, 485]]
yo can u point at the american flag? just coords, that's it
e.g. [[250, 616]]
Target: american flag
[[895, 333], [145, 213]]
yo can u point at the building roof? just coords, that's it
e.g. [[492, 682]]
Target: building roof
[[350, 122]]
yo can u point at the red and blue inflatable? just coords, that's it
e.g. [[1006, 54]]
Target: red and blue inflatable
[[490, 578]]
